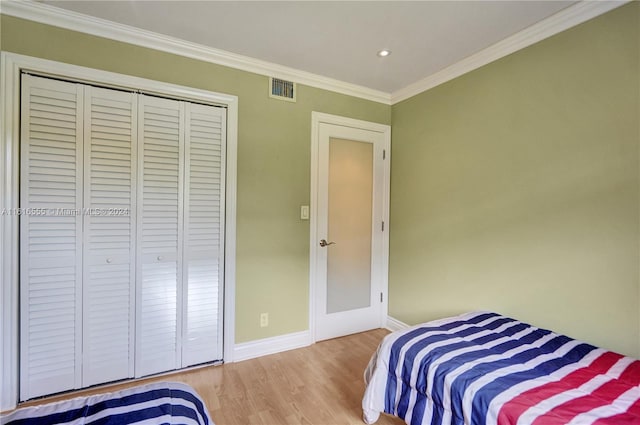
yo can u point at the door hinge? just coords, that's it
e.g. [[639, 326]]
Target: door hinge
[[383, 226], [380, 296], [384, 154]]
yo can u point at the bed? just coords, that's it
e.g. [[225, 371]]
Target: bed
[[482, 368], [151, 404]]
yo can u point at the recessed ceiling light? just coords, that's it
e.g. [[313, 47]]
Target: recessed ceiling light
[[383, 53]]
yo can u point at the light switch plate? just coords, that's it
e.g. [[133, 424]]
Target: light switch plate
[[304, 212]]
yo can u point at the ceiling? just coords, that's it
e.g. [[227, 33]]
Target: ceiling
[[335, 39]]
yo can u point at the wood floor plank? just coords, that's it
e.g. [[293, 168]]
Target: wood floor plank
[[317, 385]]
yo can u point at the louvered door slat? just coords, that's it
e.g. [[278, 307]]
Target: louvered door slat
[[51, 249], [204, 234], [160, 197], [109, 239]]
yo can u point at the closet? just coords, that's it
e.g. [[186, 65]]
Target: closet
[[121, 235]]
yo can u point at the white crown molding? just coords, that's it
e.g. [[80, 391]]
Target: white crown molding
[[266, 346], [556, 23], [45, 14], [394, 324]]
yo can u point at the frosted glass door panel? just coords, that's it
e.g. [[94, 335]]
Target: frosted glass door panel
[[349, 225]]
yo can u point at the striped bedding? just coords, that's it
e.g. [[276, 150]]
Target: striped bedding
[[152, 404], [483, 368]]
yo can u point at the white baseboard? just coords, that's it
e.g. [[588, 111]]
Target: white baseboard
[[266, 346], [278, 344], [394, 324]]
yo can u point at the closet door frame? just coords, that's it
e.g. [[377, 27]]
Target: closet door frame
[[11, 67]]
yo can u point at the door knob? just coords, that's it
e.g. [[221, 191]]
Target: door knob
[[324, 243]]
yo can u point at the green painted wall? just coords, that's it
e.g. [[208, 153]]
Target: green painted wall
[[515, 188], [274, 154]]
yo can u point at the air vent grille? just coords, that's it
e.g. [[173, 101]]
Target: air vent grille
[[282, 89]]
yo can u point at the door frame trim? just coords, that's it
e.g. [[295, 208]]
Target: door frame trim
[[11, 65], [318, 118]]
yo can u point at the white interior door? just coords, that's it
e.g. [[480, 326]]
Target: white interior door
[[350, 244], [51, 237], [160, 222], [108, 284], [203, 271]]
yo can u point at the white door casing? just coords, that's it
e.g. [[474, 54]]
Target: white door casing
[[12, 66], [327, 127]]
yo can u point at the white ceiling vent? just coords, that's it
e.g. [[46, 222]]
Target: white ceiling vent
[[281, 89]]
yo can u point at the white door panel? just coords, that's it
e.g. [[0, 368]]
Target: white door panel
[[160, 221], [110, 134], [51, 237], [203, 234], [350, 244]]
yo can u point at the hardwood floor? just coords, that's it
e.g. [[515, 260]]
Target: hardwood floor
[[317, 385]]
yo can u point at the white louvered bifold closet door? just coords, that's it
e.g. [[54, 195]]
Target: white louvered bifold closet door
[[204, 234], [160, 207], [51, 236], [121, 235], [109, 229]]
